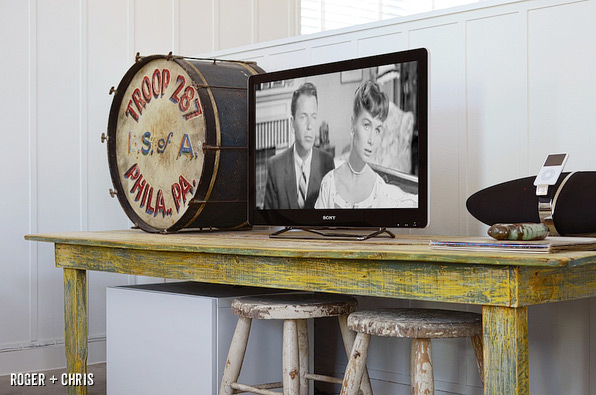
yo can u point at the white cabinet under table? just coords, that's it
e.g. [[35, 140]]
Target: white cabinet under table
[[173, 338]]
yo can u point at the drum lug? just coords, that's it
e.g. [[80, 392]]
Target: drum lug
[[104, 138], [113, 90], [113, 193], [138, 57]]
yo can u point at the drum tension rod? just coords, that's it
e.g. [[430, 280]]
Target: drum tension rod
[[171, 56], [215, 60], [238, 88], [222, 60], [216, 148], [192, 202]]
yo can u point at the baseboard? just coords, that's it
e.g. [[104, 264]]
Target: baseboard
[[37, 357]]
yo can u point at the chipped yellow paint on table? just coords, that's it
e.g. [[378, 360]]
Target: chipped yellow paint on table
[[503, 283]]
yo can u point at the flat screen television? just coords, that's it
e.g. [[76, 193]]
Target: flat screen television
[[341, 145]]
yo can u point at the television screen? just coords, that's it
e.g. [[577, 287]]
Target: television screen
[[341, 144]]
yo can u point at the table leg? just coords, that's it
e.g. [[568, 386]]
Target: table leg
[[75, 327], [506, 369]]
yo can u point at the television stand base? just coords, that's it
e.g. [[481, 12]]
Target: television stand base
[[289, 232]]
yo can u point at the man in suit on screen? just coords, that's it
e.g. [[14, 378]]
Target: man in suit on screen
[[294, 175]]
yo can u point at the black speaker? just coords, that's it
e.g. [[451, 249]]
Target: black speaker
[[573, 197]]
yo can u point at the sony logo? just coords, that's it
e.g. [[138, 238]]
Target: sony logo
[[328, 217]]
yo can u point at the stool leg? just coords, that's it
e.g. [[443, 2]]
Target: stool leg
[[235, 355], [291, 359], [421, 368], [303, 354], [356, 365], [348, 337], [479, 352]]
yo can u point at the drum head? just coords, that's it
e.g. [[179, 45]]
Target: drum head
[[155, 136]]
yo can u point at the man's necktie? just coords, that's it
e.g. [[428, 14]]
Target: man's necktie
[[302, 187]]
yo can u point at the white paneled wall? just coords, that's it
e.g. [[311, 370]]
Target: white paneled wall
[[59, 60], [510, 81]]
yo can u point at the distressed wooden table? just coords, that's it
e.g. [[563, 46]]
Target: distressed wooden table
[[406, 268]]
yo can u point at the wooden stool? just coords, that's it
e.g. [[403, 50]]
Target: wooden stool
[[420, 325], [294, 309]]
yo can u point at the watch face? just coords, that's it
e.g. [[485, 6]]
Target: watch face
[[159, 136]]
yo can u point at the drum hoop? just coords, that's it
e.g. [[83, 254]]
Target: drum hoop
[[111, 148], [249, 67]]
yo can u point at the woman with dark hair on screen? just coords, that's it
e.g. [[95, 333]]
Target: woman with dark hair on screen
[[355, 184]]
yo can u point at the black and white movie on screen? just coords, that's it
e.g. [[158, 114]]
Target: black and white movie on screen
[[341, 144]]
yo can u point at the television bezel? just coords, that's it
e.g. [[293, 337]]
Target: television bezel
[[346, 218]]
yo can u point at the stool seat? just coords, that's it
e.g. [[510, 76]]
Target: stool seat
[[293, 306], [416, 323], [420, 325]]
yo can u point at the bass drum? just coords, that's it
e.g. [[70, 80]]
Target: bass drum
[[178, 143]]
